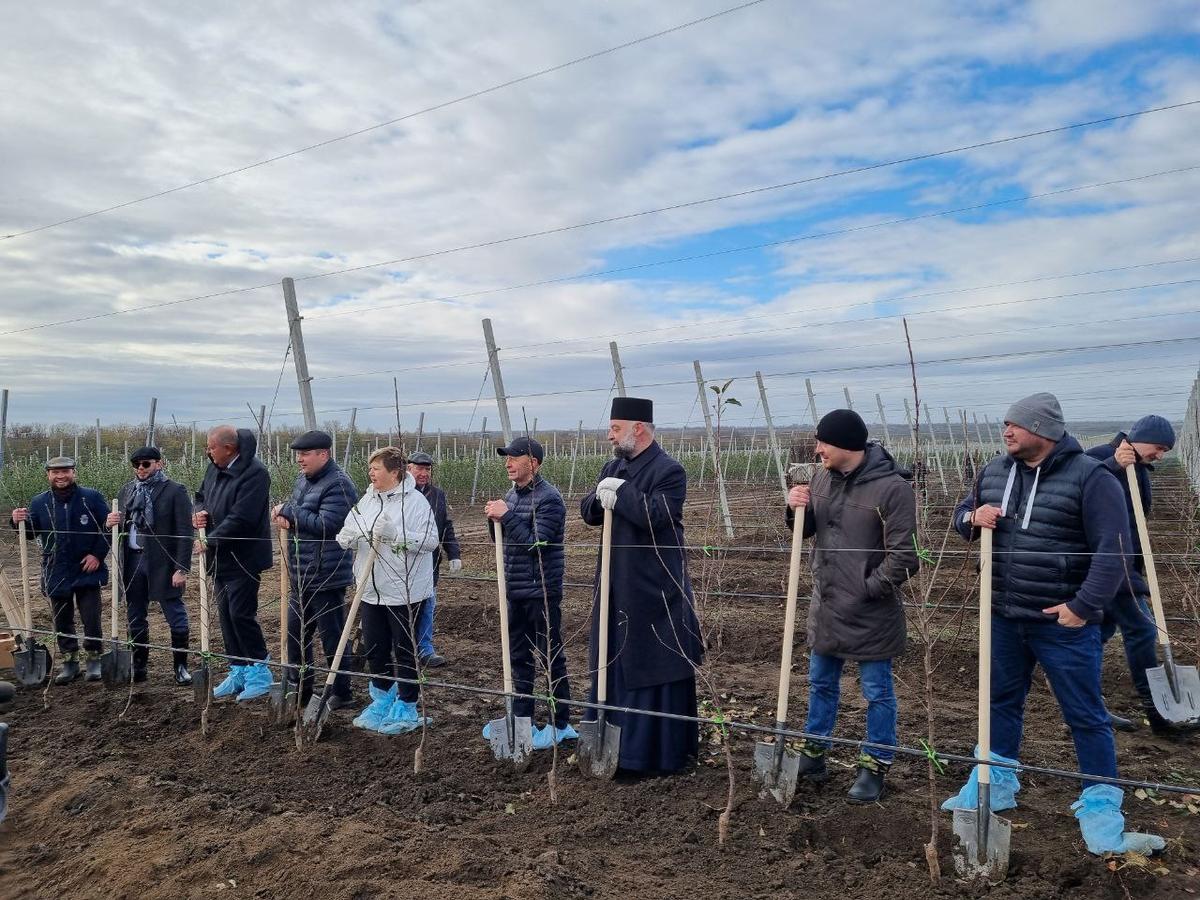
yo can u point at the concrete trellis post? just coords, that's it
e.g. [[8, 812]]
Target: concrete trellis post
[[772, 437]]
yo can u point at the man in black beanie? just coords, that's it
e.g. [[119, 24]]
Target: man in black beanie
[[654, 637], [862, 510]]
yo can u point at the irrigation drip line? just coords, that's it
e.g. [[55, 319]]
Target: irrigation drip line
[[719, 721]]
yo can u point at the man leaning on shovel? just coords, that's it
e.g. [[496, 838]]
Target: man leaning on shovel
[[1061, 536], [68, 523], [862, 510]]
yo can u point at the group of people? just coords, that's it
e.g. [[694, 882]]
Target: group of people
[[1067, 573]]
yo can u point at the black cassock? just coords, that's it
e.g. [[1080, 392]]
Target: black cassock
[[654, 638]]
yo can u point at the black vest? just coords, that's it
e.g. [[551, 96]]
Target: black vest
[[1045, 563]]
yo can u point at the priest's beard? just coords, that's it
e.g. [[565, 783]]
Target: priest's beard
[[623, 449]]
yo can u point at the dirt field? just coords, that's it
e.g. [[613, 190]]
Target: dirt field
[[107, 805]]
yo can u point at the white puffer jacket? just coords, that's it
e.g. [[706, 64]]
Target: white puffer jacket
[[402, 523]]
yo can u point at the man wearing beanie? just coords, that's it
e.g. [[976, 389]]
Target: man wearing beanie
[[319, 569], [862, 510], [1148, 441], [1061, 535], [654, 637], [155, 515]]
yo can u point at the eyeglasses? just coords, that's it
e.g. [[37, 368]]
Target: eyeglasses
[[143, 464]]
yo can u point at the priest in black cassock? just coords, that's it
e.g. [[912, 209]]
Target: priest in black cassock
[[654, 638]]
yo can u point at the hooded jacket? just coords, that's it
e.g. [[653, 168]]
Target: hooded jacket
[[237, 499], [402, 523], [1062, 536], [1106, 453], [864, 523], [317, 510]]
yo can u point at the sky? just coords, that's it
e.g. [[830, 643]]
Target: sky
[[770, 190]]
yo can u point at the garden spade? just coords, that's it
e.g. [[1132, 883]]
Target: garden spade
[[981, 837], [317, 710], [775, 767], [1174, 689], [32, 662], [202, 676], [600, 740], [116, 666], [281, 699], [510, 736]]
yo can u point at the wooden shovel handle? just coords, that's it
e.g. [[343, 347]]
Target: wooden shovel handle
[[204, 611], [351, 616], [789, 615], [24, 541], [985, 652], [502, 594], [1139, 515], [605, 590], [285, 588], [116, 570]]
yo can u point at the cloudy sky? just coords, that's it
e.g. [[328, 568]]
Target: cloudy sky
[[1067, 260]]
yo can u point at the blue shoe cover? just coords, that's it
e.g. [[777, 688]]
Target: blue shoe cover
[[548, 735], [233, 683], [1004, 787], [257, 682], [402, 718], [487, 731], [1102, 824], [376, 711]]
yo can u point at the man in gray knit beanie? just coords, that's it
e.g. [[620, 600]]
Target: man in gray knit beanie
[[1039, 414]]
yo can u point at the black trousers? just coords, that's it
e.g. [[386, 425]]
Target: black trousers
[[389, 634], [237, 605], [326, 611], [63, 607], [533, 641], [137, 599]]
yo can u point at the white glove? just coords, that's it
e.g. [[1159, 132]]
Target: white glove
[[606, 491], [455, 566], [385, 530]]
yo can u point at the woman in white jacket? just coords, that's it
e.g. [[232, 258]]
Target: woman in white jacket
[[397, 517]]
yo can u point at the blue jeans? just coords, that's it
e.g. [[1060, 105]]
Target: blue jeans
[[824, 682], [425, 627], [1071, 659], [1140, 635]]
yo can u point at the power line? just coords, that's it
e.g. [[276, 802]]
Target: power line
[[386, 124]]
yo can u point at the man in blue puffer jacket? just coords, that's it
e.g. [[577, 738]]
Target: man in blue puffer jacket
[[68, 523], [533, 519], [1060, 549], [320, 569]]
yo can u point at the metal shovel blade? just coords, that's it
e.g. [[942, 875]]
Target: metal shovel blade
[[315, 714], [1186, 709], [201, 684], [971, 860], [599, 748], [281, 702], [776, 779], [514, 744], [32, 664], [116, 669]]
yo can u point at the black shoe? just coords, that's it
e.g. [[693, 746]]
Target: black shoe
[[182, 676], [868, 783], [335, 702], [140, 675], [812, 767], [69, 671], [1120, 723], [433, 661], [92, 667]]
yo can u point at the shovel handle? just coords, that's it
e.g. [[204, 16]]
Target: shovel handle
[[985, 653], [605, 590], [1139, 515], [351, 617], [789, 615], [285, 588], [203, 569], [116, 572], [24, 541], [502, 595]]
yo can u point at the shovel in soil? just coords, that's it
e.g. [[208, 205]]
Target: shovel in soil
[[116, 666], [776, 768], [599, 748], [32, 663], [281, 698], [202, 674], [981, 838], [1174, 689], [510, 736], [317, 710]]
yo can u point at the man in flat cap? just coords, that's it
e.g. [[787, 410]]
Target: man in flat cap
[[1147, 441], [420, 466], [68, 523], [533, 519], [654, 637], [156, 555], [862, 509], [233, 504], [320, 569], [1060, 551]]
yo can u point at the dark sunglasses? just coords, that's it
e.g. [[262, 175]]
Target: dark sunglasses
[[143, 464]]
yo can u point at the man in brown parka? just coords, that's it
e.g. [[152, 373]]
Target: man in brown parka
[[861, 508]]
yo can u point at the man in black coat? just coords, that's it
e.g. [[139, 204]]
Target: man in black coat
[[420, 466], [318, 566], [156, 556], [654, 637], [233, 504]]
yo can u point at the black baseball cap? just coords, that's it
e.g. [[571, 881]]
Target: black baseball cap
[[523, 446]]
